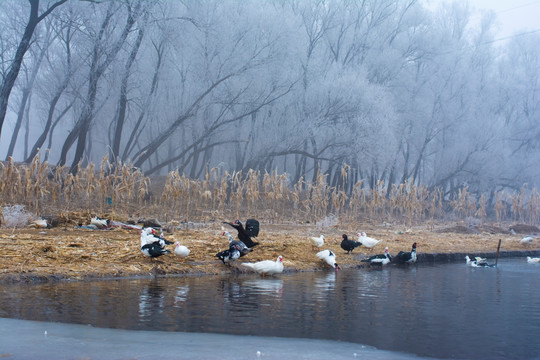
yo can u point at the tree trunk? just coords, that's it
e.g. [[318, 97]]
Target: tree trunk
[[194, 161], [139, 126], [122, 103], [53, 126], [27, 126], [147, 151], [204, 163], [316, 161], [18, 123], [27, 91], [41, 139], [24, 45], [97, 69]]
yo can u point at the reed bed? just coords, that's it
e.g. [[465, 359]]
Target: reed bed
[[123, 192]]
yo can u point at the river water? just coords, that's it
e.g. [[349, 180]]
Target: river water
[[445, 310]]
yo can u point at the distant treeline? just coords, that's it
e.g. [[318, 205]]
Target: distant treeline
[[400, 92]]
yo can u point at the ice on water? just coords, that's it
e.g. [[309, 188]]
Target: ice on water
[[23, 339]]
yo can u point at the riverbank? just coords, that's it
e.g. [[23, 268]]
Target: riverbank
[[68, 253]]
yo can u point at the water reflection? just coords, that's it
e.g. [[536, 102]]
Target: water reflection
[[151, 300], [236, 297], [324, 284], [268, 287], [445, 310], [372, 283], [181, 294]]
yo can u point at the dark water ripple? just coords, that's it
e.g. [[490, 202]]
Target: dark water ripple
[[442, 310]]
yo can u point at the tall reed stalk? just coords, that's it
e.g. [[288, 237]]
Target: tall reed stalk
[[120, 189]]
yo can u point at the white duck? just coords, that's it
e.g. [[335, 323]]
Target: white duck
[[367, 241], [152, 249], [532, 260], [527, 240], [477, 262], [181, 251], [228, 256], [41, 224], [267, 267], [380, 259], [144, 236], [99, 222], [329, 257], [468, 260], [237, 244], [148, 235], [317, 241]]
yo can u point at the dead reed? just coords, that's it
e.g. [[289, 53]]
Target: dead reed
[[123, 191]]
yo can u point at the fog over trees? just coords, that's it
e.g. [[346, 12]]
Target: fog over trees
[[390, 88]]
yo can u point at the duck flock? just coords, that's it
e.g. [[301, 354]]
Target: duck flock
[[154, 246]]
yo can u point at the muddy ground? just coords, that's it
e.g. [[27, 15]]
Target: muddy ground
[[69, 252]]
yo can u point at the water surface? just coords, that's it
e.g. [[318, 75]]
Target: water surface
[[440, 310]]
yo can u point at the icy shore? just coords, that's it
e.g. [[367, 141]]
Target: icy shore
[[23, 339]]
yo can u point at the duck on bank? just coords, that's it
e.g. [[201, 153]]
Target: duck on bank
[[55, 254]]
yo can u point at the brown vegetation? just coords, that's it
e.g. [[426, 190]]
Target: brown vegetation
[[193, 209], [123, 191], [68, 252]]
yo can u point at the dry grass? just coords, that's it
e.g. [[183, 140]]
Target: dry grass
[[66, 252], [119, 192]]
